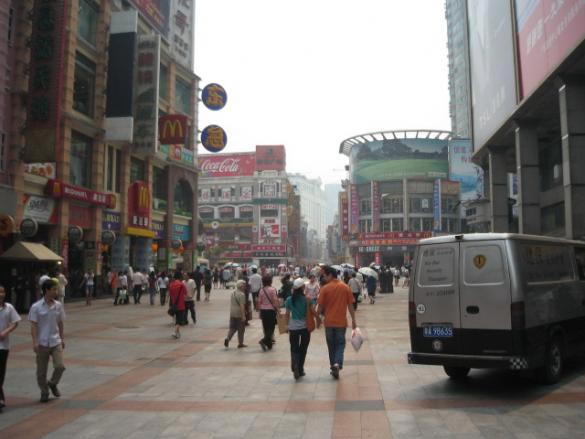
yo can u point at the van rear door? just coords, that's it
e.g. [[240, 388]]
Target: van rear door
[[485, 298], [436, 299]]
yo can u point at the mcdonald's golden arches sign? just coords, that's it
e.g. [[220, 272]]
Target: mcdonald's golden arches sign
[[173, 129]]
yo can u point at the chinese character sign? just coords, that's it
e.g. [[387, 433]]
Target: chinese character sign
[[181, 35], [213, 138], [214, 97], [375, 203], [355, 208]]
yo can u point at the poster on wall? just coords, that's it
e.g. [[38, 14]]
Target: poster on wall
[[205, 195], [547, 31], [246, 193], [156, 13], [354, 208], [437, 208], [375, 203], [463, 170]]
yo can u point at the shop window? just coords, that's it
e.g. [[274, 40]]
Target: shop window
[[245, 234], [80, 162], [397, 224], [427, 224], [159, 189], [206, 213], [365, 226], [87, 20], [552, 218], [246, 212], [551, 169], [421, 205], [84, 85], [113, 169], [365, 206], [226, 212], [163, 82], [269, 213], [391, 204], [183, 199], [182, 96], [385, 225], [414, 224]]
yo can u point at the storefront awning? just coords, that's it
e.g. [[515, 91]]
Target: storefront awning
[[30, 251]]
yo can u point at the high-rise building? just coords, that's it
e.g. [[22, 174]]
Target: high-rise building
[[458, 52], [331, 202], [313, 203]]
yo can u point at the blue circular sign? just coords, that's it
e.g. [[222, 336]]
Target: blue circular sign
[[214, 96], [213, 138]]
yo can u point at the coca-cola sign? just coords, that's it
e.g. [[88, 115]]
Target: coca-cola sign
[[227, 165]]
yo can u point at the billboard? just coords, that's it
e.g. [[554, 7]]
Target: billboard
[[270, 158], [462, 169], [181, 29], [493, 76], [227, 165], [392, 159], [547, 30]]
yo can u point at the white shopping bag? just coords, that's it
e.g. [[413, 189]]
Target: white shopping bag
[[357, 339]]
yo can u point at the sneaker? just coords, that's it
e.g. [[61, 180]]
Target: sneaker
[[175, 335], [263, 345], [54, 390], [335, 371], [44, 397], [226, 342], [242, 346]]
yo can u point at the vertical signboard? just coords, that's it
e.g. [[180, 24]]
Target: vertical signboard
[[139, 206], [375, 203], [493, 76], [47, 44], [344, 215], [437, 223], [270, 158], [181, 35], [354, 201], [547, 30], [462, 169], [146, 93]]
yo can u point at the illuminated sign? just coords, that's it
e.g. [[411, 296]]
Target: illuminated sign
[[59, 189], [139, 206], [214, 97]]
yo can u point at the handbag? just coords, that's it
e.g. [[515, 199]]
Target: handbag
[[172, 308], [281, 319], [310, 317]]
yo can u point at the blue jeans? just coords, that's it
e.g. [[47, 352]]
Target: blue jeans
[[336, 344]]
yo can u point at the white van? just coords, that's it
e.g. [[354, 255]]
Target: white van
[[495, 300]]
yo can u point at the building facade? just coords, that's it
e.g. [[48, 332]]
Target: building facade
[[398, 192], [528, 88], [100, 178], [313, 203], [244, 199]]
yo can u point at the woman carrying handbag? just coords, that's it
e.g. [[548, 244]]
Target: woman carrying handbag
[[301, 323], [266, 303]]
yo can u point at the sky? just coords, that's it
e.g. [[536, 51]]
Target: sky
[[309, 74]]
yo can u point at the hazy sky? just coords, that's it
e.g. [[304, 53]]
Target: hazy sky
[[310, 73]]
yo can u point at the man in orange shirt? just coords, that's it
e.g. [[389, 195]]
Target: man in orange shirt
[[335, 299]]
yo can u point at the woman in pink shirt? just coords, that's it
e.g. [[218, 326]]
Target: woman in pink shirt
[[267, 303]]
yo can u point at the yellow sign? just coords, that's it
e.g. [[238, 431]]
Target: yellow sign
[[479, 261], [135, 231], [143, 198]]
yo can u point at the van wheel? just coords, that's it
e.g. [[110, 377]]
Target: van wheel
[[552, 370], [456, 373]]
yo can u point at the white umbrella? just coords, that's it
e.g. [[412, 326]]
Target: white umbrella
[[337, 267], [251, 267], [345, 264], [368, 272]]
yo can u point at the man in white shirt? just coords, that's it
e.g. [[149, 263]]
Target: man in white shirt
[[47, 316], [137, 281], [255, 282], [62, 284], [163, 286], [9, 319], [191, 286]]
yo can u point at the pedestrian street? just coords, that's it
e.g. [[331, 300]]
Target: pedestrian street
[[126, 377]]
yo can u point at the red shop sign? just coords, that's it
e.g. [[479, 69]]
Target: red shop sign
[[139, 205], [172, 129], [58, 189]]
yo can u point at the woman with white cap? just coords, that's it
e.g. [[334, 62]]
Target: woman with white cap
[[299, 311]]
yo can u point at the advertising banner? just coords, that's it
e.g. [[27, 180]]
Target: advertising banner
[[181, 32], [47, 43], [112, 221], [213, 138], [375, 203], [437, 223], [548, 30], [224, 165], [146, 93], [47, 170], [388, 239], [270, 158], [399, 158], [156, 13], [354, 209], [462, 169], [160, 229], [59, 189], [139, 207], [41, 209], [181, 232], [178, 153], [344, 215], [493, 76], [214, 97]]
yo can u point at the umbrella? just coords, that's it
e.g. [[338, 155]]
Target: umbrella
[[368, 272], [281, 265], [337, 267], [360, 277], [346, 265], [251, 267]]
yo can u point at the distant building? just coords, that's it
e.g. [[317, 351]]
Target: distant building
[[331, 201], [313, 203]]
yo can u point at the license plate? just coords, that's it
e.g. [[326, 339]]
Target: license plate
[[437, 331]]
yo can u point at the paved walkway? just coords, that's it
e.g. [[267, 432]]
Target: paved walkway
[[127, 378]]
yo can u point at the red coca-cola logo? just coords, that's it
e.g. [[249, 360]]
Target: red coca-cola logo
[[226, 165]]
